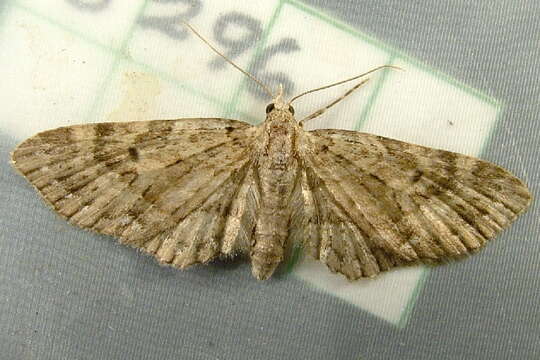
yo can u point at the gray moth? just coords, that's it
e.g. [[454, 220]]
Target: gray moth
[[189, 191]]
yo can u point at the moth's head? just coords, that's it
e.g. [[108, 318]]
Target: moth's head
[[279, 105]]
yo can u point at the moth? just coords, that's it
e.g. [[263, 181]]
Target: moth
[[192, 190]]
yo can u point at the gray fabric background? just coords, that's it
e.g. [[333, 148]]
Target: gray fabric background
[[81, 296]]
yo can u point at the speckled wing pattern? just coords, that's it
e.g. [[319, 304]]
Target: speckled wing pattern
[[373, 203], [189, 190], [162, 186]]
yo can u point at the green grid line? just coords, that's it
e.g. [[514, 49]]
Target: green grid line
[[366, 111], [118, 57], [487, 139], [419, 286], [289, 266], [5, 8], [51, 21]]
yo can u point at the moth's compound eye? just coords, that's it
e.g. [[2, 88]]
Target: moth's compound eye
[[269, 108], [291, 109]]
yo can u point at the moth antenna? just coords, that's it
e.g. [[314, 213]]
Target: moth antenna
[[344, 81], [264, 87], [322, 110]]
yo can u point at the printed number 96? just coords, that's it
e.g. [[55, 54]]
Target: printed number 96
[[233, 47]]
